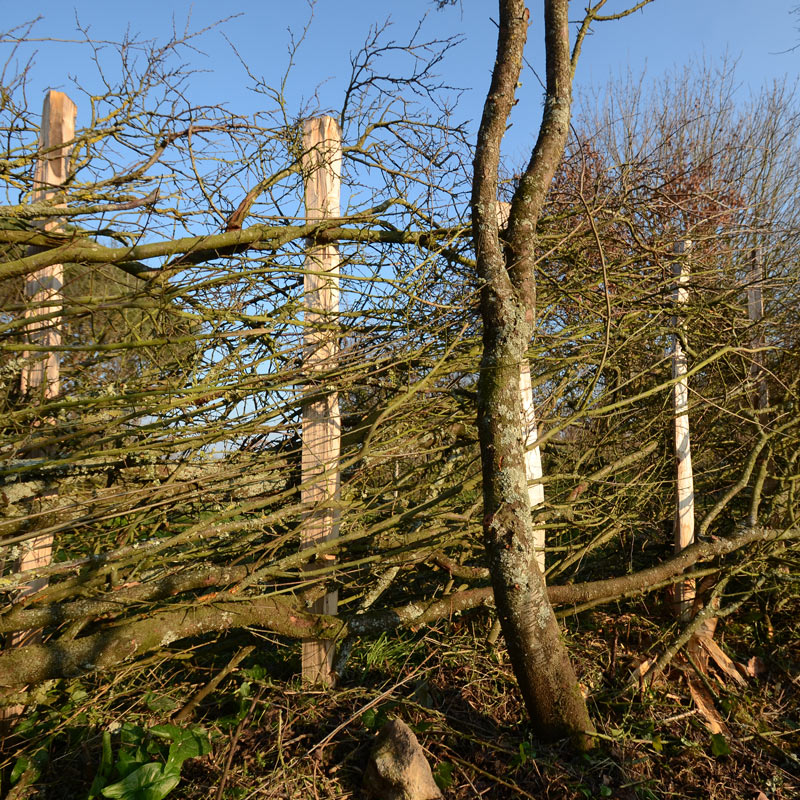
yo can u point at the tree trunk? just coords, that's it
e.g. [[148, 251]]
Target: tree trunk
[[540, 660], [684, 483]]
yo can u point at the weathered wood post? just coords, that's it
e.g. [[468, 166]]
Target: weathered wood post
[[322, 165], [43, 290], [684, 501], [755, 312], [533, 457]]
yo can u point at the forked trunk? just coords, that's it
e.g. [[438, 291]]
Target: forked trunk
[[507, 270]]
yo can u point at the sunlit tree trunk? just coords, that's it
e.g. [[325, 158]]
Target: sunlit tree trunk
[[540, 660], [684, 484]]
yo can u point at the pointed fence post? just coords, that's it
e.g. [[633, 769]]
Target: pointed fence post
[[40, 379], [322, 165], [755, 312], [684, 505], [533, 457]]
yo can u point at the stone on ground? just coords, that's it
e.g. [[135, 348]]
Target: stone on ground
[[397, 768]]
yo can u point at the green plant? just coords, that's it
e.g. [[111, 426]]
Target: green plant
[[443, 775], [526, 753], [148, 762]]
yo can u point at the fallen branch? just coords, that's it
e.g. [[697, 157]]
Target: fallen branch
[[285, 616]]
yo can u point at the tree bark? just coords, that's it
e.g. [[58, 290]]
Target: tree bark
[[684, 480], [538, 655]]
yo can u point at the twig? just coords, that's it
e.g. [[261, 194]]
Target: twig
[[320, 744], [686, 634], [496, 778], [346, 647], [235, 741], [43, 209], [708, 612], [187, 711]]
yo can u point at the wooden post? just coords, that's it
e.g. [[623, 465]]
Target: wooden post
[[322, 164], [755, 312], [533, 457], [40, 375], [684, 505]]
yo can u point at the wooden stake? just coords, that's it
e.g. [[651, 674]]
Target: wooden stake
[[40, 378], [322, 165], [533, 458], [755, 312], [684, 506]]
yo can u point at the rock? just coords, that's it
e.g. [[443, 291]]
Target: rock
[[397, 767]]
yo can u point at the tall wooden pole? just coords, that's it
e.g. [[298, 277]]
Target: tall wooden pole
[[755, 312], [684, 505], [533, 457], [40, 378], [322, 165]]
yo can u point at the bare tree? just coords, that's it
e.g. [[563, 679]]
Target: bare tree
[[508, 307], [174, 441]]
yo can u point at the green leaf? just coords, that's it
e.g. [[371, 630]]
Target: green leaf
[[131, 734], [106, 759], [658, 745], [27, 724], [605, 791], [443, 775], [186, 743], [370, 719], [78, 693], [159, 702], [421, 727], [256, 672], [97, 785], [719, 747], [22, 763], [245, 690], [190, 745], [104, 770], [524, 754], [149, 782], [129, 761], [167, 731]]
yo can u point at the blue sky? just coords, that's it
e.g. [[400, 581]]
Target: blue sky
[[666, 34]]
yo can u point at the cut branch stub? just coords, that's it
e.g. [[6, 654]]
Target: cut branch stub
[[322, 164]]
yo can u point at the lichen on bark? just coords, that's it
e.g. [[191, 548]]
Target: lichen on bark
[[540, 660]]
